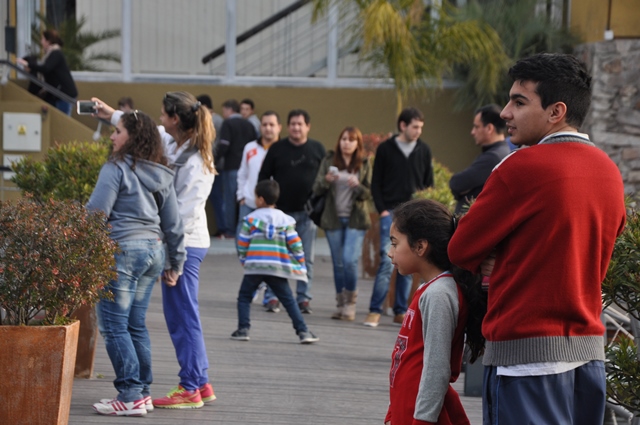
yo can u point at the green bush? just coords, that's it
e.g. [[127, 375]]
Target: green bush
[[440, 191], [54, 257], [68, 171], [622, 288]]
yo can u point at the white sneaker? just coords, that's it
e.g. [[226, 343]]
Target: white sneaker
[[148, 402], [121, 408]]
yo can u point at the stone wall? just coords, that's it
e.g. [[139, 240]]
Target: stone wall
[[613, 122]]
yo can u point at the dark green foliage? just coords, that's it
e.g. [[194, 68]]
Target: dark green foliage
[[68, 171], [54, 257], [622, 288], [523, 32]]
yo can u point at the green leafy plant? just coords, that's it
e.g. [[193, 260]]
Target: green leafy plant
[[621, 287], [54, 257], [522, 32], [77, 42], [440, 191], [68, 171], [417, 46]]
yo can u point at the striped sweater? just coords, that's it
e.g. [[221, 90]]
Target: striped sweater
[[268, 244]]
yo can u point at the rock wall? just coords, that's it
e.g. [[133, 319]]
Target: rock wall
[[613, 122]]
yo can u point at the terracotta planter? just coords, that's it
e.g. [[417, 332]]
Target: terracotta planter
[[36, 365], [87, 341]]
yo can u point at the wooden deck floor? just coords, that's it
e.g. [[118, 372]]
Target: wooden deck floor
[[272, 379]]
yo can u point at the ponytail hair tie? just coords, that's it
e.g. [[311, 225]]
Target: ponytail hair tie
[[454, 222], [196, 106]]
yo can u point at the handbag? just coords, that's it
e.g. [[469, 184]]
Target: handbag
[[315, 206]]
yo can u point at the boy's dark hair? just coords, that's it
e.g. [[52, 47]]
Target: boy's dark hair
[[490, 114], [248, 102], [409, 114], [232, 104], [125, 100], [423, 219], [559, 78], [297, 113], [269, 190], [271, 113], [205, 100]]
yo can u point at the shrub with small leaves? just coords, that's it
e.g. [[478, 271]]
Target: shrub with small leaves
[[68, 171], [440, 191], [621, 287], [54, 257]]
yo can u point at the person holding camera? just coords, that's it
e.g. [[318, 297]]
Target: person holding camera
[[345, 177]]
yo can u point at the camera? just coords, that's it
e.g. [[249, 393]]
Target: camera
[[86, 107]]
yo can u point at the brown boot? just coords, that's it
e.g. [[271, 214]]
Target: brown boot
[[340, 297], [349, 310]]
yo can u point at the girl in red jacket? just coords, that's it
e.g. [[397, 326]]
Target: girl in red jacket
[[448, 305]]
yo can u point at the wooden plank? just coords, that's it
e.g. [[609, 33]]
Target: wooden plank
[[271, 379]]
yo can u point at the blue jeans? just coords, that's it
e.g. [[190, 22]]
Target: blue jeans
[[381, 284], [280, 286], [122, 320], [216, 200], [345, 244], [243, 211], [181, 312], [307, 230], [64, 106], [575, 397], [229, 199]]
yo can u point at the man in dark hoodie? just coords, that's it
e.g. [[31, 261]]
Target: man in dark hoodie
[[402, 166], [235, 133]]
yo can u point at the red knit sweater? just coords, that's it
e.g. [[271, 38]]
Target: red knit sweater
[[552, 212], [407, 366]]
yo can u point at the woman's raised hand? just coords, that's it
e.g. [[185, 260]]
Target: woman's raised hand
[[103, 110]]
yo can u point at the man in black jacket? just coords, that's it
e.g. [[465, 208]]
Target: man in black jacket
[[293, 162], [488, 132], [402, 166], [235, 133]]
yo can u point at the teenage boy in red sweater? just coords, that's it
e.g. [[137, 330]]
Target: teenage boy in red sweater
[[544, 227]]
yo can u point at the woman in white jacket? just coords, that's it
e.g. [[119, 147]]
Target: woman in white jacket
[[187, 132]]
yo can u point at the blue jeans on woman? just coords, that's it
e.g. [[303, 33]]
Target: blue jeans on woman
[[383, 276], [64, 106], [345, 245], [122, 320], [280, 287], [182, 314]]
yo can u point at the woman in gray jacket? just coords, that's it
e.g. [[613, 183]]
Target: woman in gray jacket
[[135, 190], [345, 176]]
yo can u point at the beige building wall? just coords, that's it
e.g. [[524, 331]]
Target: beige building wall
[[589, 18], [372, 110]]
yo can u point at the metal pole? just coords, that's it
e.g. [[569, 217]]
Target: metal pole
[[231, 40], [127, 32], [332, 43]]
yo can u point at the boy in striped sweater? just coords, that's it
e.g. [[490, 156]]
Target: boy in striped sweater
[[270, 251]]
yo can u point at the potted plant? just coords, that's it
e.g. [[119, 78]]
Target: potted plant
[[621, 288], [54, 257], [68, 172]]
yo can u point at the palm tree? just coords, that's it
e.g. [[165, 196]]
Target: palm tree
[[417, 46], [523, 32], [77, 42]]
